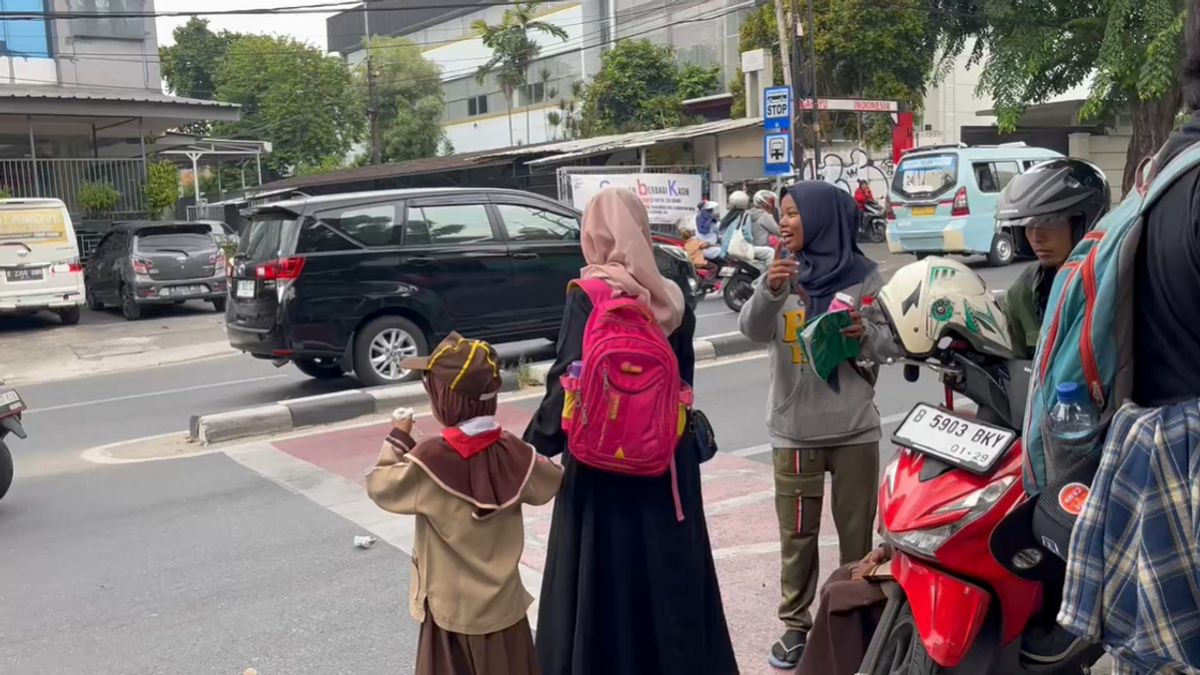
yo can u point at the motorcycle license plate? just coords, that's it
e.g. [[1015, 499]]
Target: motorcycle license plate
[[10, 402], [960, 441], [924, 210]]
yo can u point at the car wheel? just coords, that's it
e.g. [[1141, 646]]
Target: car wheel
[[1002, 252], [69, 316], [89, 297], [219, 304], [129, 307], [380, 347], [320, 370], [6, 469]]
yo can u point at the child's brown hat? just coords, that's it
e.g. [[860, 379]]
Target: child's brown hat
[[468, 367]]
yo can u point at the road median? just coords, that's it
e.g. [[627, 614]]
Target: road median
[[311, 411]]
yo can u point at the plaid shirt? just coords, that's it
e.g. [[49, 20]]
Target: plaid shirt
[[1133, 573]]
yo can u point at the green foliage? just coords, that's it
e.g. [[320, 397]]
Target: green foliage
[[639, 87], [98, 200], [513, 48], [294, 96], [190, 65], [161, 189], [326, 165], [6, 193], [408, 90], [759, 31]]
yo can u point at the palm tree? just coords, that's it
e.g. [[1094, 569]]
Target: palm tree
[[513, 49]]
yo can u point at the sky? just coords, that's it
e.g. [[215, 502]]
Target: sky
[[308, 28]]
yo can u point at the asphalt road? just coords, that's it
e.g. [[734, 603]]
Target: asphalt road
[[201, 566], [69, 416]]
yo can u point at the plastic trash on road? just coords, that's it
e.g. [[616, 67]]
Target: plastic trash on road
[[364, 541]]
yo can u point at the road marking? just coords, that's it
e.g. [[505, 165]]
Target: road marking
[[720, 335], [712, 314], [150, 394]]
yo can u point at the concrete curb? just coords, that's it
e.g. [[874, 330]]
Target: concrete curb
[[310, 411], [705, 349]]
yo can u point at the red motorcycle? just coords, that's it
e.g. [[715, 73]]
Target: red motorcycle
[[973, 592]]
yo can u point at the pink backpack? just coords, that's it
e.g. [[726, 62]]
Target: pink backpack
[[627, 407]]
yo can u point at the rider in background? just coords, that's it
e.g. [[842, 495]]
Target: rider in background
[[755, 224], [764, 215], [1054, 204], [863, 194]]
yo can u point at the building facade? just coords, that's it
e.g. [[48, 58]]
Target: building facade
[[81, 98], [702, 32]]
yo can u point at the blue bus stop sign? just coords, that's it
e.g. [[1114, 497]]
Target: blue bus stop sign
[[777, 154], [777, 109]]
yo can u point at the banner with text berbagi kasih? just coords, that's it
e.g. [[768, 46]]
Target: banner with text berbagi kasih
[[668, 197]]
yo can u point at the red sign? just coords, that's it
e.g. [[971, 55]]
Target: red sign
[[849, 105]]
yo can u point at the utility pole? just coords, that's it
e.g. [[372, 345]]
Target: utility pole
[[784, 47], [372, 105], [812, 87]]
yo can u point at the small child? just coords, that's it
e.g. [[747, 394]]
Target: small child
[[466, 487]]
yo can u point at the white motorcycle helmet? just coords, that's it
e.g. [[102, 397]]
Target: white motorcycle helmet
[[937, 297], [738, 199]]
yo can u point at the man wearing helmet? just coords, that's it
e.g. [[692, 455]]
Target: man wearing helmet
[[755, 224], [1053, 204]]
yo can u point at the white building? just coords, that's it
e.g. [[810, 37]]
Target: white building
[[703, 33]]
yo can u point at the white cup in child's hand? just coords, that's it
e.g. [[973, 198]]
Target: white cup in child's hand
[[402, 419]]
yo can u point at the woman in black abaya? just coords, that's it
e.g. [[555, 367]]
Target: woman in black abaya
[[628, 589]]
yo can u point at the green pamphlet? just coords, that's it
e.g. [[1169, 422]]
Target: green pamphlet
[[824, 344]]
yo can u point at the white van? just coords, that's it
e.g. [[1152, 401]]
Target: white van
[[39, 259]]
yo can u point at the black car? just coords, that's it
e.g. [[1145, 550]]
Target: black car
[[356, 282], [149, 263]]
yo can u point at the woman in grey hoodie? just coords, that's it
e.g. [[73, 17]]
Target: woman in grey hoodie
[[818, 427]]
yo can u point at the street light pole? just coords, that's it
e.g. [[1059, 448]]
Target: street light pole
[[372, 107]]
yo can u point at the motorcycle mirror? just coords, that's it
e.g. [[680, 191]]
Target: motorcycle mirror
[[912, 372]]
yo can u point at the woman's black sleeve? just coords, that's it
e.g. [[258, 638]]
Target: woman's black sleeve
[[545, 431], [681, 343]]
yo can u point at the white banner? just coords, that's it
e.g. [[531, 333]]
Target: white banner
[[668, 197]]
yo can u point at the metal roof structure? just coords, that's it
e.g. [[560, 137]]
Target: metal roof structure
[[541, 154], [44, 92]]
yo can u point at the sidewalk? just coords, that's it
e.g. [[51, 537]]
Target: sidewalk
[[738, 495], [32, 351]]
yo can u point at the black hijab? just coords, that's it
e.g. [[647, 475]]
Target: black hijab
[[831, 260]]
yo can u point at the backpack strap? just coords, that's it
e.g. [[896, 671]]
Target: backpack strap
[[597, 290]]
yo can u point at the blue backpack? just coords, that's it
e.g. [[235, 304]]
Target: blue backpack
[[1087, 334]]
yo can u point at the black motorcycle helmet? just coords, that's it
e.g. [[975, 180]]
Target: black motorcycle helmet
[[1060, 187]]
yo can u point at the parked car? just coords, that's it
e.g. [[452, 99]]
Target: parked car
[[356, 282], [156, 263], [943, 200], [39, 259]]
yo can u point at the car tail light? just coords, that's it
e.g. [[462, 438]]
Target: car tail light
[[142, 266], [960, 206], [888, 211], [218, 261], [71, 266], [284, 269]]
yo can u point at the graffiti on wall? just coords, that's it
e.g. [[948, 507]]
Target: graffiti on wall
[[845, 170]]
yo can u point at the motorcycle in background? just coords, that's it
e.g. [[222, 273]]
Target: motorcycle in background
[[11, 407], [872, 226], [974, 591], [739, 279]]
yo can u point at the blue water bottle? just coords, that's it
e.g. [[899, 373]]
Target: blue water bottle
[[1073, 420]]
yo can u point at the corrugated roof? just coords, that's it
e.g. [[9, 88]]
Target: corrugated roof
[[641, 139], [549, 153], [103, 94]]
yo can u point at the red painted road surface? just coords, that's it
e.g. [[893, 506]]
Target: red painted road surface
[[738, 500]]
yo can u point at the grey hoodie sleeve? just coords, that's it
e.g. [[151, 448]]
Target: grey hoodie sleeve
[[879, 344], [759, 318], [767, 222]]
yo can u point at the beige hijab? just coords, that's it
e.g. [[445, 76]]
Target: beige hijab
[[618, 249]]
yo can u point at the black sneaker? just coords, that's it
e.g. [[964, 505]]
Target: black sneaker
[[785, 653]]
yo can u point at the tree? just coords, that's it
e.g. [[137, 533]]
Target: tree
[[294, 96], [513, 49], [408, 90], [639, 87], [1129, 48], [190, 65], [161, 189], [759, 31]]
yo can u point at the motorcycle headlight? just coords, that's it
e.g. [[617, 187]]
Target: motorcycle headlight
[[976, 503]]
